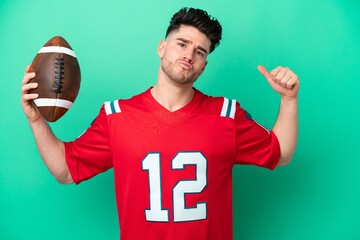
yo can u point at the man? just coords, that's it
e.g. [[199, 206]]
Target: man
[[172, 147]]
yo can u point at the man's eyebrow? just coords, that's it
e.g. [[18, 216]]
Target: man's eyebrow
[[188, 41]]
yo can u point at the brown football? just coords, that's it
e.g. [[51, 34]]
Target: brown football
[[58, 75]]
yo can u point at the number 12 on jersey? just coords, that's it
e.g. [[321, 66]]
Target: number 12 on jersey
[[156, 213]]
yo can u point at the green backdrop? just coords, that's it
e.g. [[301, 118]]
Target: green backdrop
[[316, 197]]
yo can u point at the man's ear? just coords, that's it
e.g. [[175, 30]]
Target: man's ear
[[203, 69], [161, 48]]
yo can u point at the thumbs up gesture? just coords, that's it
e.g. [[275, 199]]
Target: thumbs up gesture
[[282, 80]]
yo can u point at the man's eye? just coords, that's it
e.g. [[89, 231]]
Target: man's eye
[[199, 53], [181, 44]]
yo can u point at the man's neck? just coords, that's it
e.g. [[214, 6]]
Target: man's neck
[[172, 96]]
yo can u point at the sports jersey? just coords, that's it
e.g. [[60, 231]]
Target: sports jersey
[[172, 170]]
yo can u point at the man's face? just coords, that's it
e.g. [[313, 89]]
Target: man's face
[[183, 54]]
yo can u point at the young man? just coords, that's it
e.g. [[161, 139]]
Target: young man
[[172, 147]]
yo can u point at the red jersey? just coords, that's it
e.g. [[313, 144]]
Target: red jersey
[[173, 170]]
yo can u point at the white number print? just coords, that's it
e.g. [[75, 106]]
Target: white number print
[[156, 213]]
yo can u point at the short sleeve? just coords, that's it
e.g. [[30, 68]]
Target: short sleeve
[[90, 154], [255, 145]]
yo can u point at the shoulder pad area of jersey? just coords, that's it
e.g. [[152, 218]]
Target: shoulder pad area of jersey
[[112, 107], [228, 108]]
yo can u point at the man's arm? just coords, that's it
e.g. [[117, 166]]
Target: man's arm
[[287, 84], [51, 149]]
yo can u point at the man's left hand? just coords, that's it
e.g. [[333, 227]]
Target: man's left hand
[[282, 80]]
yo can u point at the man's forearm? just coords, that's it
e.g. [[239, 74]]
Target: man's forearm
[[286, 128], [51, 150]]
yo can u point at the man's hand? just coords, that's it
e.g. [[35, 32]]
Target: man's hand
[[31, 112], [282, 80]]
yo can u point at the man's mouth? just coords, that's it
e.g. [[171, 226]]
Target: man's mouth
[[185, 65]]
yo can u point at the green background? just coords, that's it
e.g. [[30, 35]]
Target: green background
[[317, 196]]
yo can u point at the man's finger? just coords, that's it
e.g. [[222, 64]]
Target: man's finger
[[264, 72], [29, 86], [292, 82], [275, 71], [27, 77]]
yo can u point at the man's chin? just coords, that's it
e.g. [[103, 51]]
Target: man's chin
[[181, 76], [184, 81]]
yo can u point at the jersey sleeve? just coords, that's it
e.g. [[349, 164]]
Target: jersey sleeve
[[255, 144], [90, 154]]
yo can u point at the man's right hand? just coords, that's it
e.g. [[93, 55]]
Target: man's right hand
[[29, 108]]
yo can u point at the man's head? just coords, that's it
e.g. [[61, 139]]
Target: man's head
[[200, 20], [191, 36]]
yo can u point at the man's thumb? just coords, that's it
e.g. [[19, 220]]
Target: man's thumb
[[263, 71]]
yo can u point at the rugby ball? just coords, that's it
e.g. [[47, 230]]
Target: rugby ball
[[58, 76]]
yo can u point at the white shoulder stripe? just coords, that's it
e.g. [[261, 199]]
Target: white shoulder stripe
[[107, 108], [224, 107], [58, 49], [117, 106], [233, 109], [112, 107], [228, 108]]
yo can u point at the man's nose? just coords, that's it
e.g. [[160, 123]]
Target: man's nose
[[189, 55]]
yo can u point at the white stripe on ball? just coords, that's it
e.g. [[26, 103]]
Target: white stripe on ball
[[50, 102], [58, 49]]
